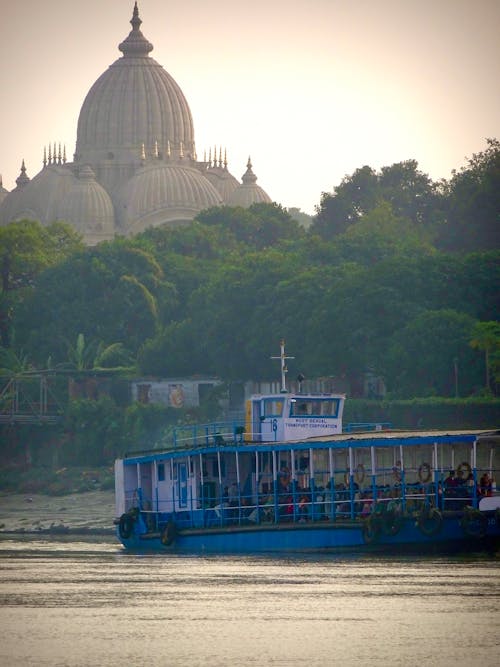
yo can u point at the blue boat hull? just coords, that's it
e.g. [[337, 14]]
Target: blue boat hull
[[321, 536]]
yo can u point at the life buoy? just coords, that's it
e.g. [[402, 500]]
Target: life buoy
[[474, 523], [126, 525], [430, 521], [464, 467], [371, 529], [360, 473], [168, 534], [424, 473]]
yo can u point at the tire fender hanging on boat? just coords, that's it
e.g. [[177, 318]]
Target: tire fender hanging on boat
[[474, 523], [359, 474], [168, 534], [371, 529], [464, 470], [126, 525], [430, 521], [392, 522], [424, 473]]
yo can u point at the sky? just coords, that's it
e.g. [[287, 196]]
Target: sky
[[310, 89]]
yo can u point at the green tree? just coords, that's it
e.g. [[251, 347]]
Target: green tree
[[349, 201], [473, 204], [420, 358], [411, 195], [26, 249], [108, 293], [486, 337]]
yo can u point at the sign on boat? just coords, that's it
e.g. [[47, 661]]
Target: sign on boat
[[290, 479]]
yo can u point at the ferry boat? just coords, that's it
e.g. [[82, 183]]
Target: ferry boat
[[291, 479]]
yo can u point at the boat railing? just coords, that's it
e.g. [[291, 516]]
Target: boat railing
[[342, 502], [232, 432], [354, 427], [206, 435]]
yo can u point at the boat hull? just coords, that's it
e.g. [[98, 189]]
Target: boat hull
[[322, 536]]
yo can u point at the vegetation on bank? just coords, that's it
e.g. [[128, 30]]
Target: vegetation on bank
[[397, 276]]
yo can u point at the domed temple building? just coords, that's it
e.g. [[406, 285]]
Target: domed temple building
[[135, 164]]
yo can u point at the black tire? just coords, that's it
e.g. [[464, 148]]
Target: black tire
[[392, 522], [168, 534], [126, 526], [474, 523], [430, 522], [371, 530]]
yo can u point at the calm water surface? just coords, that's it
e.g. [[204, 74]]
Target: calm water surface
[[90, 603]]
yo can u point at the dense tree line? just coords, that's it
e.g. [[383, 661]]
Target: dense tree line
[[397, 275]]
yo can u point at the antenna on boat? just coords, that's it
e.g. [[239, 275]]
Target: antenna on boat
[[284, 369]]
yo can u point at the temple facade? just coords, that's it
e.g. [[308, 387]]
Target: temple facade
[[135, 163]]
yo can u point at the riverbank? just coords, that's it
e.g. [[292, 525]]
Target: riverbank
[[76, 513]]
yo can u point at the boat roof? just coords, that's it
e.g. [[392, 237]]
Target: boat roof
[[340, 441], [391, 434]]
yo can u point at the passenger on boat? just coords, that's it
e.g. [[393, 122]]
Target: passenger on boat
[[233, 499], [485, 485], [303, 509], [451, 481], [366, 505]]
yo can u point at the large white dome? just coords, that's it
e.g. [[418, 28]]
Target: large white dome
[[134, 103]]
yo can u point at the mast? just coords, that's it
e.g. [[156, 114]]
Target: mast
[[284, 369]]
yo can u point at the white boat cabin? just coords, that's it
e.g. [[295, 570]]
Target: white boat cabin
[[287, 417]]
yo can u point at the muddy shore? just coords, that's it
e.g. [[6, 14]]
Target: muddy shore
[[77, 513]]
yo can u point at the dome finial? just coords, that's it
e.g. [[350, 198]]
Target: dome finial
[[135, 44], [249, 177], [23, 177], [135, 20]]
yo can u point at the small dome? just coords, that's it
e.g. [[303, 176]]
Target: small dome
[[224, 182], [3, 191], [88, 207], [248, 192], [161, 193], [38, 199]]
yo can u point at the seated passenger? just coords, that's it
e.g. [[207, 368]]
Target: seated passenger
[[485, 486], [303, 510]]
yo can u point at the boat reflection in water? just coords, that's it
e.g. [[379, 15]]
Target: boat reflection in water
[[290, 479]]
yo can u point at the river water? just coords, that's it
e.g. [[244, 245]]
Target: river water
[[75, 603]]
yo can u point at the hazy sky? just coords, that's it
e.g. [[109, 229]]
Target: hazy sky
[[311, 89]]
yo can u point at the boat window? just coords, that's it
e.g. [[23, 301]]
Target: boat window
[[272, 407], [315, 407]]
